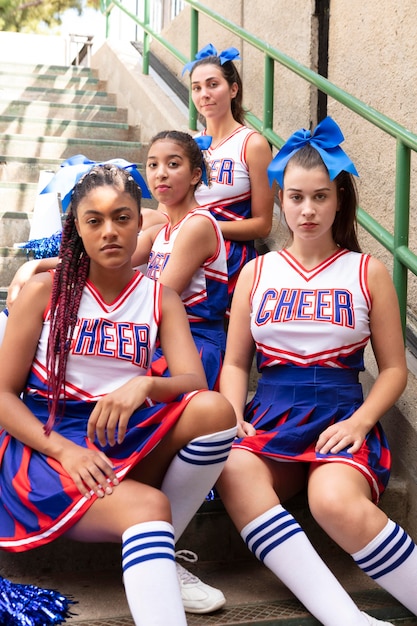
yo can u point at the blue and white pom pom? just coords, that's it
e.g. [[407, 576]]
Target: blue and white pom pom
[[29, 605], [42, 248]]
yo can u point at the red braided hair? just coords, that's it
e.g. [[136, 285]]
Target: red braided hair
[[70, 278]]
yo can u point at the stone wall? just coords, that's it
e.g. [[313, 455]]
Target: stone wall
[[371, 56]]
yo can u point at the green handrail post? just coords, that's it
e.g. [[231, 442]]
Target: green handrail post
[[268, 116], [192, 112], [105, 8], [146, 41], [401, 224]]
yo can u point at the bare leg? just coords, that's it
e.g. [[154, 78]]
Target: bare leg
[[247, 487], [139, 516], [207, 412], [340, 500]]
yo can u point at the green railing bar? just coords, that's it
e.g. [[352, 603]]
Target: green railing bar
[[401, 223], [407, 257], [269, 81], [372, 115], [147, 29], [146, 41], [379, 232], [192, 116]]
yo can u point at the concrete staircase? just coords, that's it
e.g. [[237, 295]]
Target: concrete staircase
[[49, 113]]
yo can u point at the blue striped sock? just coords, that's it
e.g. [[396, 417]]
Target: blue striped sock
[[193, 472], [277, 540], [149, 574], [391, 560]]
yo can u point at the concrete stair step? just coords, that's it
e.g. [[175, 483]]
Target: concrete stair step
[[25, 169], [35, 126], [15, 198], [14, 144], [39, 68], [253, 597], [10, 261], [50, 81], [3, 296], [82, 96], [19, 107]]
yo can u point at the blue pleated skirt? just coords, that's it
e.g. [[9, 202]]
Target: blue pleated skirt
[[294, 405], [210, 340], [38, 500]]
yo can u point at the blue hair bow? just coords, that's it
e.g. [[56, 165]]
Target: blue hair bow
[[75, 167], [204, 143], [325, 139], [230, 54]]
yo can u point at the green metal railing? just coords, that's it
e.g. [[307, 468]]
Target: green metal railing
[[397, 243]]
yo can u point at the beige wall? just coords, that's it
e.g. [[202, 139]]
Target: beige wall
[[371, 56], [277, 28]]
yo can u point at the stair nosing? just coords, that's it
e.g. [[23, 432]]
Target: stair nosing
[[61, 120], [67, 140], [75, 105]]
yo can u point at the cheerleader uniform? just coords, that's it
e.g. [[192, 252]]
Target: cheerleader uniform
[[229, 195], [111, 344], [310, 328], [204, 299]]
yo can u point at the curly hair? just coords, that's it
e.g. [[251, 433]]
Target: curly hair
[[70, 278]]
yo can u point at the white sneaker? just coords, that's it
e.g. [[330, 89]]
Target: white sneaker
[[197, 597], [374, 622]]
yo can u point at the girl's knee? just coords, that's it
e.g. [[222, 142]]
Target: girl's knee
[[149, 504], [236, 472], [217, 411], [326, 506]]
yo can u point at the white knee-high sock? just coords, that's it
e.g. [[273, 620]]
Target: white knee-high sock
[[192, 473], [149, 574], [278, 541], [391, 560], [3, 321]]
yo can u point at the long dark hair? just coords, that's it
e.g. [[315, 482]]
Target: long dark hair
[[344, 229], [70, 278], [231, 75]]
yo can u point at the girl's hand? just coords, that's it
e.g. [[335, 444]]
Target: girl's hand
[[91, 470], [244, 429], [341, 435], [113, 411]]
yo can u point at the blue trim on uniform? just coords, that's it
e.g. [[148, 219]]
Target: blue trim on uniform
[[152, 533], [396, 564], [310, 374], [267, 549], [210, 452], [149, 557], [379, 568], [265, 525], [283, 526], [396, 530], [206, 325], [151, 544]]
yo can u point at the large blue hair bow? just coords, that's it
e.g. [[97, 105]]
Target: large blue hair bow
[[75, 167], [204, 143], [325, 139], [230, 54]]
